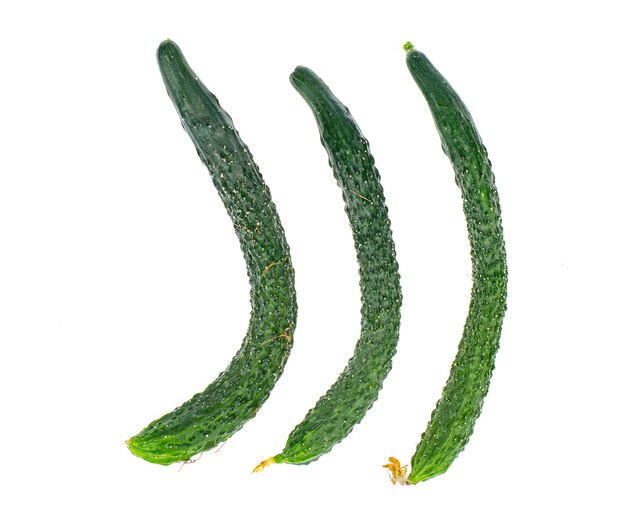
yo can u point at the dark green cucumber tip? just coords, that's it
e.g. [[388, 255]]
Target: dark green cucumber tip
[[414, 55], [309, 84], [167, 49], [300, 74]]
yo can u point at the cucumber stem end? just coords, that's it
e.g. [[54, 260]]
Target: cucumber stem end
[[263, 464]]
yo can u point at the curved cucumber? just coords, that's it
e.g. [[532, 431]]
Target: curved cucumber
[[452, 421], [352, 395], [212, 416]]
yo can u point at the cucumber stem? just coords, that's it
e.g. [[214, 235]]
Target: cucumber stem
[[263, 464]]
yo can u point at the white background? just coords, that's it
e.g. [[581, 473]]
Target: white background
[[123, 290]]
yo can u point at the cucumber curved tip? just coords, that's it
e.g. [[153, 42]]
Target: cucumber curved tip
[[407, 46], [167, 47], [146, 455], [299, 74]]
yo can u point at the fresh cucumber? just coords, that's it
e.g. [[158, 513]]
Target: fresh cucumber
[[352, 395], [452, 422], [212, 416]]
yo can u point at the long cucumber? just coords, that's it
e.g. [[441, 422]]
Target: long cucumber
[[212, 416], [452, 422], [352, 395]]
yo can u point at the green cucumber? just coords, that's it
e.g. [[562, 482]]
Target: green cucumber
[[353, 394], [452, 422], [212, 416]]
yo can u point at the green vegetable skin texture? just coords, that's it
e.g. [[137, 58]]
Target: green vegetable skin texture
[[352, 395], [212, 416], [452, 421]]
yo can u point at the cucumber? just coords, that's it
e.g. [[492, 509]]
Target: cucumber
[[452, 422], [353, 394], [212, 416]]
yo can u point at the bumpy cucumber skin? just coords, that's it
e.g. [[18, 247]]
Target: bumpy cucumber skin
[[353, 394], [212, 416], [452, 421]]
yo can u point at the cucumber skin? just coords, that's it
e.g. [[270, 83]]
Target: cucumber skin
[[353, 394], [452, 422], [212, 416]]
